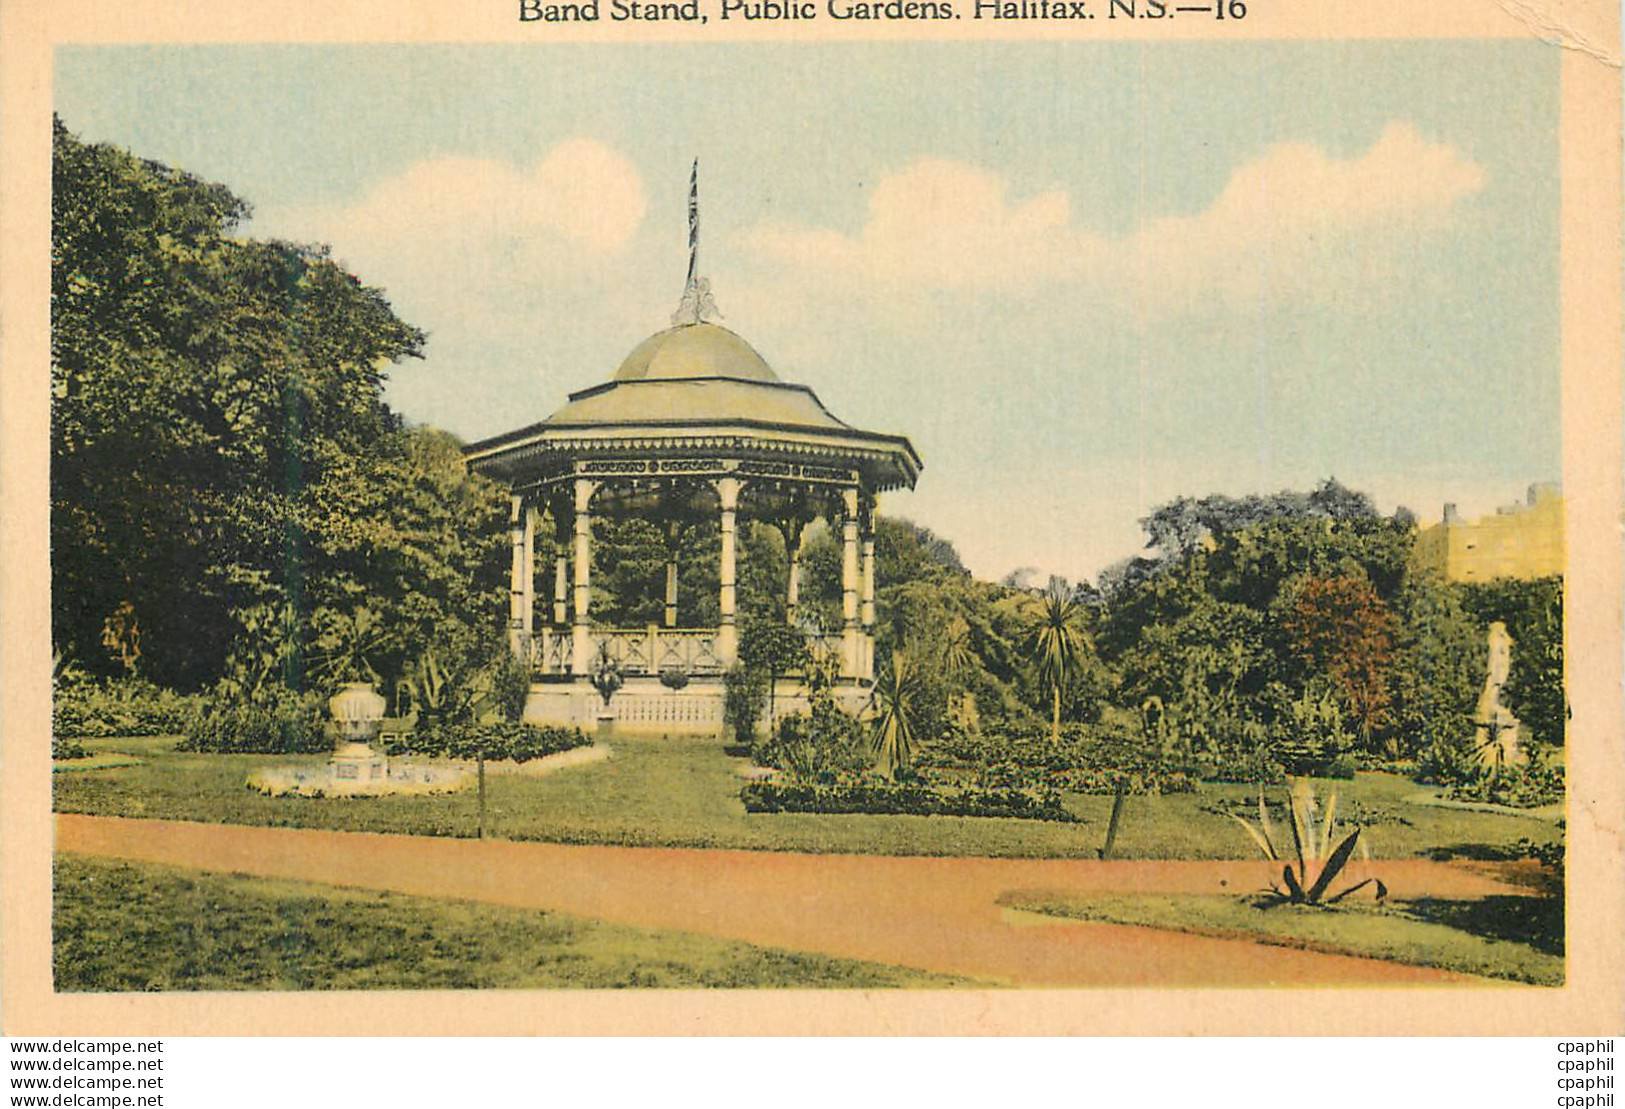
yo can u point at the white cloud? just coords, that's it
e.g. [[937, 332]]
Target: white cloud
[[1293, 214], [581, 191], [521, 276]]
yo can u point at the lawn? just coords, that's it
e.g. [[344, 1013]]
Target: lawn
[[684, 791], [1516, 938], [124, 926]]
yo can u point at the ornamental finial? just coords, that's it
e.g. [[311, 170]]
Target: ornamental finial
[[697, 302]]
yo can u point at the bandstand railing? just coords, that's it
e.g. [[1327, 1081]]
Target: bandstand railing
[[639, 651], [652, 650]]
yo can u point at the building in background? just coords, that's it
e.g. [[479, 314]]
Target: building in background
[[1516, 541]]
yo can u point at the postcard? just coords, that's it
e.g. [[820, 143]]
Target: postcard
[[844, 516]]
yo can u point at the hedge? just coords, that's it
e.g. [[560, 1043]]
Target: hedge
[[888, 800], [495, 740]]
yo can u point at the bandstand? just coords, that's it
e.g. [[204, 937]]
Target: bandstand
[[693, 422]]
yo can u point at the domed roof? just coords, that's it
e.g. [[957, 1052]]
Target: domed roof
[[694, 350]]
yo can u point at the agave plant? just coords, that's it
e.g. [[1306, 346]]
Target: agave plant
[[1313, 833]]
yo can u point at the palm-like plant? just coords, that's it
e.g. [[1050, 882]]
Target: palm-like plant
[[1057, 648], [894, 697], [346, 646], [957, 655]]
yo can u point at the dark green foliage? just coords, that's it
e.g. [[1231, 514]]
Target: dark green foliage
[[815, 749], [629, 553], [905, 551], [1343, 767], [1520, 787], [628, 570], [744, 698], [1552, 854], [770, 645], [1309, 732], [821, 744], [121, 707], [220, 449], [1293, 625], [280, 723], [1441, 667], [509, 687], [496, 740], [1086, 759], [891, 798], [896, 698], [1240, 767]]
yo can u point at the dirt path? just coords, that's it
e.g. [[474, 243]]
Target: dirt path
[[933, 913]]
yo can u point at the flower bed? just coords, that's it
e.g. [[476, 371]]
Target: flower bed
[[878, 798]]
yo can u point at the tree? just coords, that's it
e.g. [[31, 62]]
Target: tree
[[1341, 629], [220, 446], [1057, 648], [1441, 659], [772, 648]]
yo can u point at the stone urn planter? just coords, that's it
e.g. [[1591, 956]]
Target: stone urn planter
[[358, 713]]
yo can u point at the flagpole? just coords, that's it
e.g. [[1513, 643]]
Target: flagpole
[[693, 224]]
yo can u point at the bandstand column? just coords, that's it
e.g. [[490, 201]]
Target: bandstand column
[[866, 667], [727, 632], [850, 661], [671, 573], [792, 545], [516, 577], [581, 630], [528, 616], [561, 582]]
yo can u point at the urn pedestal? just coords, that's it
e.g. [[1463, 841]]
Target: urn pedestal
[[358, 713]]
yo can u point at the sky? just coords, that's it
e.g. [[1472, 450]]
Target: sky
[[1083, 278]]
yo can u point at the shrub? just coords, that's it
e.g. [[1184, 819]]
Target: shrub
[[1343, 766], [886, 798], [744, 696], [1309, 733], [814, 748], [1552, 855], [123, 707], [1519, 787], [1405, 768], [278, 723], [66, 749], [1444, 764], [1147, 780], [1085, 759], [493, 739]]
